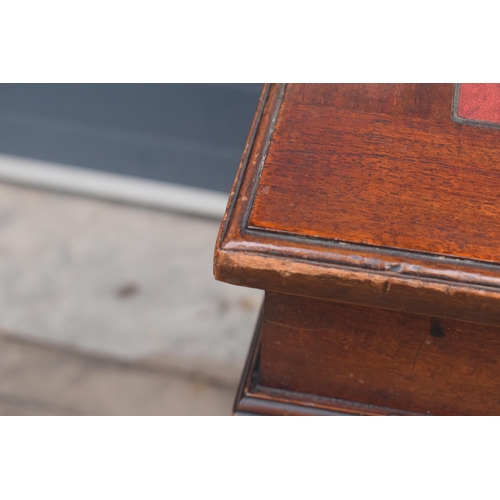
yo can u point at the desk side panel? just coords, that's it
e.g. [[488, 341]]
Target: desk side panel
[[395, 360]]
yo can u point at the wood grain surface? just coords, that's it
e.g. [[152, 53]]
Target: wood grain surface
[[394, 360], [253, 398], [379, 178], [367, 194], [372, 220]]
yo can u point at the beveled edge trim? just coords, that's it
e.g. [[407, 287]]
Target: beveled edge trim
[[366, 288], [421, 279], [469, 274], [263, 156], [429, 257], [267, 401], [260, 407], [429, 263], [233, 196]]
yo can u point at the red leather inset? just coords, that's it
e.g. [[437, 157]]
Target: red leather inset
[[479, 101]]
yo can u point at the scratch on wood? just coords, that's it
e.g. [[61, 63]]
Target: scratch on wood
[[416, 356], [293, 327]]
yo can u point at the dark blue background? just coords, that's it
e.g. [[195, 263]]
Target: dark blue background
[[191, 134]]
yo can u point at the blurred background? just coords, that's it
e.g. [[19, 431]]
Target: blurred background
[[111, 197]]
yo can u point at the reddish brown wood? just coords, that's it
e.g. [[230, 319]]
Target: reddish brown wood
[[399, 99], [375, 357], [253, 398], [373, 198], [368, 194], [407, 183]]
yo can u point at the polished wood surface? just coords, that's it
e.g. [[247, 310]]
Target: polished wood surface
[[414, 100], [254, 398], [394, 360], [367, 194], [371, 219], [382, 178]]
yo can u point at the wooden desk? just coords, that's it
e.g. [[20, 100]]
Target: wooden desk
[[370, 215]]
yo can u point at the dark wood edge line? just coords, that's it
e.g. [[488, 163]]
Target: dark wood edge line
[[233, 197], [263, 155], [373, 249], [454, 103], [467, 121], [261, 407], [310, 403], [251, 363]]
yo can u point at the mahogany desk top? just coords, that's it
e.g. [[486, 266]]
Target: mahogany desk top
[[363, 205]]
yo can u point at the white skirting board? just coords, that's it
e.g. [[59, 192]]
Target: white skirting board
[[113, 187]]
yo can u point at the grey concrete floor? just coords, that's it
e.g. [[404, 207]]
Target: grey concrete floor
[[36, 379], [113, 309]]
